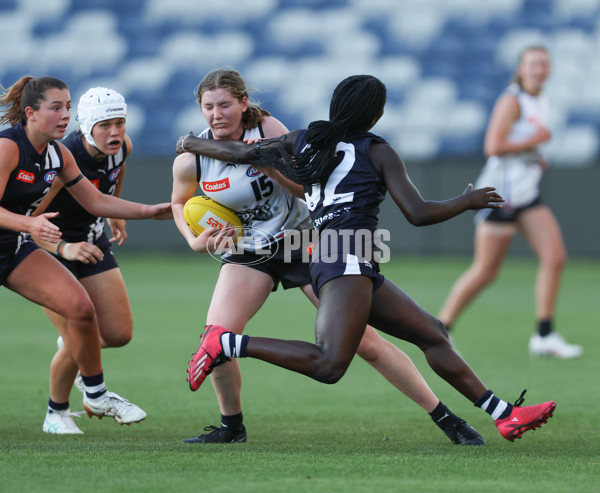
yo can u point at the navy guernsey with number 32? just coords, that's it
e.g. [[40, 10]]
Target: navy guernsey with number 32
[[350, 196], [344, 208]]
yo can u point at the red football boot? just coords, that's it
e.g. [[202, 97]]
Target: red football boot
[[522, 419], [209, 356]]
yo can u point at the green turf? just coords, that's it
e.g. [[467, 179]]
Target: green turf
[[359, 435]]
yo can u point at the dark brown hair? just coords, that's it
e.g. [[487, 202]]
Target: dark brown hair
[[27, 91]]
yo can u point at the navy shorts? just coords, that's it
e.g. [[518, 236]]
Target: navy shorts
[[344, 265], [506, 214], [9, 260], [81, 270], [337, 255], [291, 273]]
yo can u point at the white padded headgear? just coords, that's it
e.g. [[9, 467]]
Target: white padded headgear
[[96, 105]]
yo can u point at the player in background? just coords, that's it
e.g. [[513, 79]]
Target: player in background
[[30, 160], [346, 172], [517, 128], [100, 148], [267, 211]]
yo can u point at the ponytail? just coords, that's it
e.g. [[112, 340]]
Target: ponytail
[[27, 91]]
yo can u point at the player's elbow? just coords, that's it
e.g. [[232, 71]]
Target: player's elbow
[[416, 219]]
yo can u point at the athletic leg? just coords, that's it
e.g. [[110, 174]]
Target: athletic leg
[[391, 362], [45, 281], [109, 296], [396, 314], [398, 369], [492, 241], [63, 367], [540, 228], [113, 310], [341, 320], [251, 288]]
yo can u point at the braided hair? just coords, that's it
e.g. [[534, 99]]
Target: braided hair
[[356, 104]]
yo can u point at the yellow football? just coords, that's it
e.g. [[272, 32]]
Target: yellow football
[[201, 213]]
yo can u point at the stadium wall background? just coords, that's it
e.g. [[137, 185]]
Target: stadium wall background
[[570, 192]]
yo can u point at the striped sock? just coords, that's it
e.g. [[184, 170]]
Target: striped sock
[[95, 387], [496, 408], [234, 345]]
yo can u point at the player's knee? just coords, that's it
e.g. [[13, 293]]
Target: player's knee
[[486, 276], [436, 338], [330, 373], [117, 339], [81, 311], [116, 331], [369, 349], [556, 261]]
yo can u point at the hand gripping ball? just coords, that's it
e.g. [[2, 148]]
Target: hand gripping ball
[[201, 213]]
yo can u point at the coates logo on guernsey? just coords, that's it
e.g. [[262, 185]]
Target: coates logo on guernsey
[[215, 186], [25, 176], [49, 177]]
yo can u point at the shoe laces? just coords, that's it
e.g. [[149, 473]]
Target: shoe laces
[[69, 423], [521, 399], [120, 403]]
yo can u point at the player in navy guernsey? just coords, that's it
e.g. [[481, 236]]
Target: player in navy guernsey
[[339, 163], [269, 213], [100, 148], [31, 159]]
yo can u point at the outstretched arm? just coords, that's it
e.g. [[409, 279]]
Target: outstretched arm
[[262, 152], [229, 151], [101, 204], [418, 211]]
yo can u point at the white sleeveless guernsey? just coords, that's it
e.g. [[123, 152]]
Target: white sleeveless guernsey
[[266, 209], [516, 176]]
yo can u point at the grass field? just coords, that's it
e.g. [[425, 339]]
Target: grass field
[[356, 436]]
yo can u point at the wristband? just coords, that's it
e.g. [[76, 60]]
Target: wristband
[[64, 252], [61, 243], [182, 142]]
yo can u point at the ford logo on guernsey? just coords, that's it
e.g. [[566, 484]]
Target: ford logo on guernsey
[[114, 175], [252, 171], [49, 177]]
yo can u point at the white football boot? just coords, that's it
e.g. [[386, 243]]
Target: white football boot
[[553, 345], [61, 423], [115, 406]]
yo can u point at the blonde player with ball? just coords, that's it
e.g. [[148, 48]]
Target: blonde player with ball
[[267, 210]]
